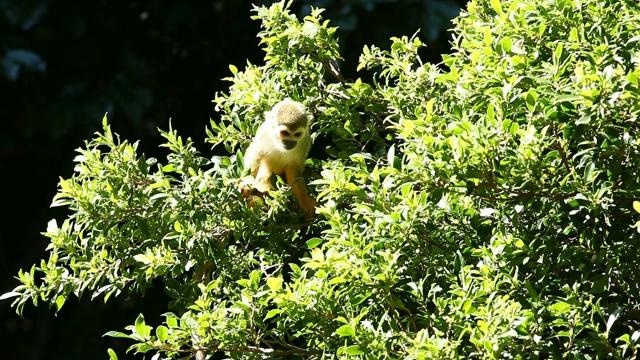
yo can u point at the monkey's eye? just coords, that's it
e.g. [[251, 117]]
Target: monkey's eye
[[284, 133], [297, 134]]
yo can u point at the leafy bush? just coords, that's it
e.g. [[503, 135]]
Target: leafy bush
[[481, 212]]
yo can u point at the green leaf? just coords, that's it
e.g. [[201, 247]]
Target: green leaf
[[244, 282], [497, 6], [625, 338], [140, 326], [337, 280], [311, 243], [636, 207], [274, 283], [588, 171], [632, 78], [467, 307], [143, 348], [568, 98], [573, 35], [117, 334], [532, 97], [142, 258], [272, 313], [112, 354], [255, 276], [65, 186], [346, 331], [560, 308], [162, 333], [60, 300], [490, 113], [171, 320], [9, 295], [354, 350], [506, 44], [557, 54], [584, 120], [391, 155], [612, 318]]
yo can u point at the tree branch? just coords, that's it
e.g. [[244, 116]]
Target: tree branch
[[327, 64], [201, 351]]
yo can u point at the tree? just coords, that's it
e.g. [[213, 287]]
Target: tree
[[485, 211]]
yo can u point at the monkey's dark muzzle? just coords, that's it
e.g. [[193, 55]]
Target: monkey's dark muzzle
[[289, 144]]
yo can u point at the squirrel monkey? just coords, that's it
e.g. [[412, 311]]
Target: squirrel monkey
[[280, 147]]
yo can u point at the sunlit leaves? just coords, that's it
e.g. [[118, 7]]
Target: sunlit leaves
[[489, 210]]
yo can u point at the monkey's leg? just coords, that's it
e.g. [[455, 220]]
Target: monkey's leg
[[299, 190], [246, 192]]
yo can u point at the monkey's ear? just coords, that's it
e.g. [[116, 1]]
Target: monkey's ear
[[310, 119]]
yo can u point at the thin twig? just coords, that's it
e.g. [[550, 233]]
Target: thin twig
[[327, 65]]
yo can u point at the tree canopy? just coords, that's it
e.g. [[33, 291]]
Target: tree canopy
[[478, 208]]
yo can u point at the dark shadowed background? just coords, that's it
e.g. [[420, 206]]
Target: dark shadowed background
[[65, 63]]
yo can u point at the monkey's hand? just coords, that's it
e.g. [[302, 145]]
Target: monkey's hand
[[307, 203], [309, 208]]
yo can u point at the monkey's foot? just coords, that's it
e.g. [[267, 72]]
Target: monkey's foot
[[252, 192]]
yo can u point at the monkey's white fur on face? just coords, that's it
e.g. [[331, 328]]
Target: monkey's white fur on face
[[280, 147], [287, 138], [290, 123]]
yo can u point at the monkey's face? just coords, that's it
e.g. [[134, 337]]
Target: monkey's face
[[288, 137]]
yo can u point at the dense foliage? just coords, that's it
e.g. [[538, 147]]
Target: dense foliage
[[63, 64], [485, 211]]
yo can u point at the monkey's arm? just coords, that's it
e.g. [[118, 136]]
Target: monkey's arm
[[299, 189], [262, 175], [254, 161]]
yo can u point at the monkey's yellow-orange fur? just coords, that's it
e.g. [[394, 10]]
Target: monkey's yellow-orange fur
[[280, 147]]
